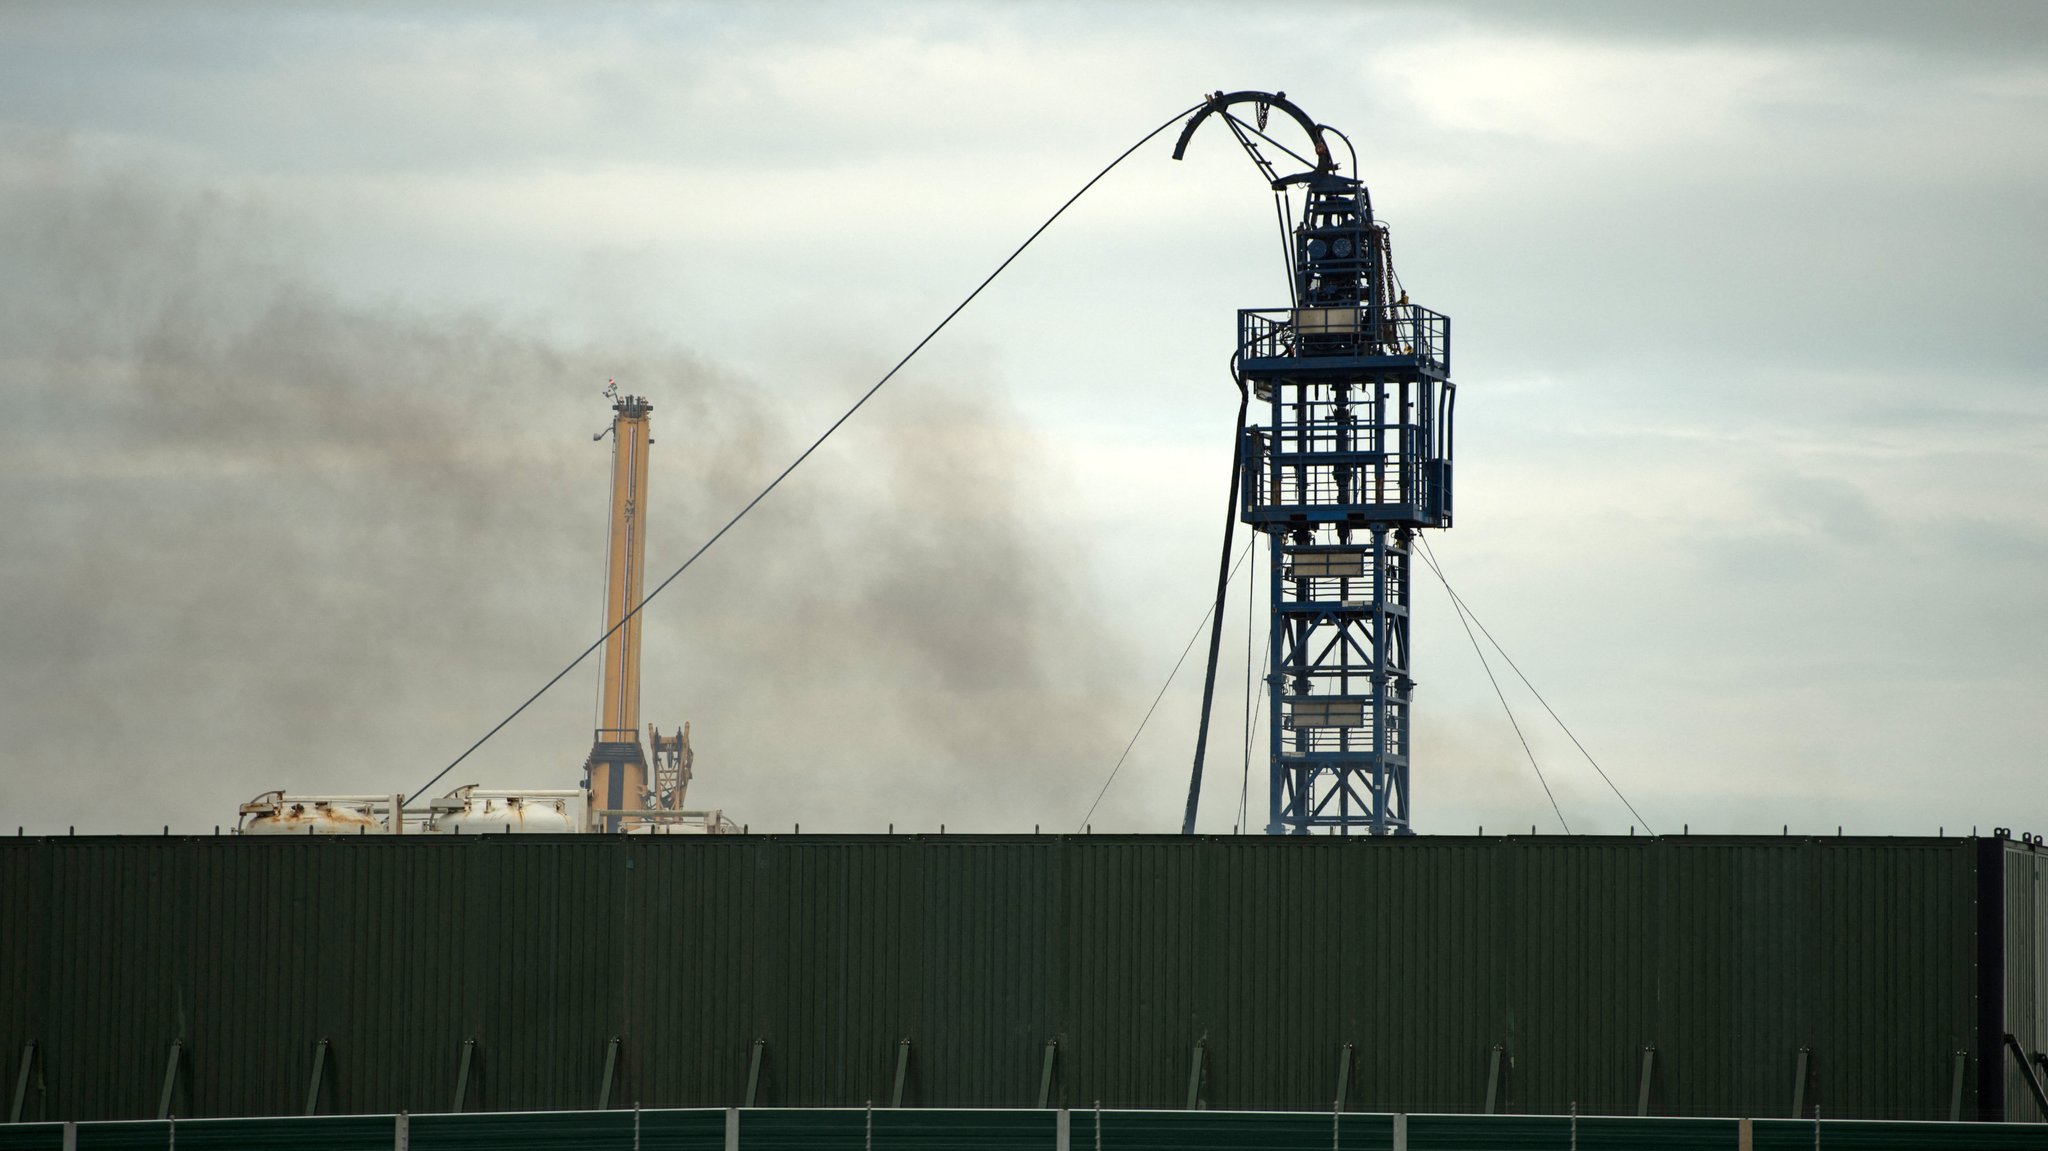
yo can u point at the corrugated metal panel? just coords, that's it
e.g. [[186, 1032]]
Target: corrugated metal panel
[[569, 1131], [1605, 1134], [31, 1137], [346, 1133], [1462, 1132], [906, 1130], [1790, 1135], [995, 1130], [2026, 970], [1209, 1131], [1571, 955]]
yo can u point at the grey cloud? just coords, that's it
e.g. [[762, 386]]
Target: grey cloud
[[2001, 27]]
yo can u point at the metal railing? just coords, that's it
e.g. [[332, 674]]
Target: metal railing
[[1390, 330], [1052, 1128]]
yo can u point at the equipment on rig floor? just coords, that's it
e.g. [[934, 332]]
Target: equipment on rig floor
[[673, 764], [1355, 458], [616, 794]]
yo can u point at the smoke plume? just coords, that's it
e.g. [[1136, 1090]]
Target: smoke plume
[[260, 536]]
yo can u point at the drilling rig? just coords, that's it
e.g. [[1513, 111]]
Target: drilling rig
[[624, 795], [1354, 460], [619, 792]]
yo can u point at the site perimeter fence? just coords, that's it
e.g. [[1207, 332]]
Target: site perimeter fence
[[890, 1129]]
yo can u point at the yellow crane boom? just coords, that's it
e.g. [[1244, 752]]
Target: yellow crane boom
[[616, 773]]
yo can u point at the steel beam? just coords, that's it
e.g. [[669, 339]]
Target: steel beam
[[22, 1080], [1493, 1070], [319, 1076], [2019, 1056], [172, 1066], [611, 1066], [1643, 1083], [461, 1102], [754, 1072], [902, 1073]]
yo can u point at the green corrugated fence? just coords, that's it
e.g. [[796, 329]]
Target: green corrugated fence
[[883, 1129], [1684, 975]]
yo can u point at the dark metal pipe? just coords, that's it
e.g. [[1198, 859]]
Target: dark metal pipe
[[1244, 399]]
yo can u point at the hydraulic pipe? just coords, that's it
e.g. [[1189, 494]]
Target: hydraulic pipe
[[1219, 101]]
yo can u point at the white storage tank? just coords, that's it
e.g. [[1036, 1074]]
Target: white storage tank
[[275, 813], [501, 812]]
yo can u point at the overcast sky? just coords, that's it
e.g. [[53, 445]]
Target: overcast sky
[[305, 317]]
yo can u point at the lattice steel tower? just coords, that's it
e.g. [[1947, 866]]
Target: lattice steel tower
[[1354, 458]]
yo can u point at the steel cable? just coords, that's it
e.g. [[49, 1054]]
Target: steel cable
[[806, 454], [1498, 694], [1429, 557], [1162, 690]]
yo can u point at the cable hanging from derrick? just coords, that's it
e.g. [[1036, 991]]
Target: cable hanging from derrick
[[1170, 676], [806, 453], [1465, 612]]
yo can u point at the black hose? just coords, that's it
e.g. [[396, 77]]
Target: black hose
[[1244, 400]]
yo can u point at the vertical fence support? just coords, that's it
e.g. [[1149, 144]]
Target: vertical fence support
[[1643, 1084], [1063, 1131], [1745, 1135], [1493, 1080], [1955, 1087], [319, 1076], [1400, 1131], [461, 1102], [1799, 1083], [1045, 1073], [754, 1073], [172, 1066], [1344, 1055], [611, 1066], [22, 1080], [2019, 1056], [902, 1073], [401, 1132]]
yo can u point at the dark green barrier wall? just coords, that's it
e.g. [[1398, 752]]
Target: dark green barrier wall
[[1728, 957], [943, 1130]]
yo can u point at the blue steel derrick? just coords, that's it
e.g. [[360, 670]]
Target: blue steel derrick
[[1354, 458], [1352, 461]]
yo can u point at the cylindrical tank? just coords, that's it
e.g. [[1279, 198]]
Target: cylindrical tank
[[502, 813], [310, 817]]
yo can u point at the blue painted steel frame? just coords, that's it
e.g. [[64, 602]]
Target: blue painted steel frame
[[1354, 459]]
